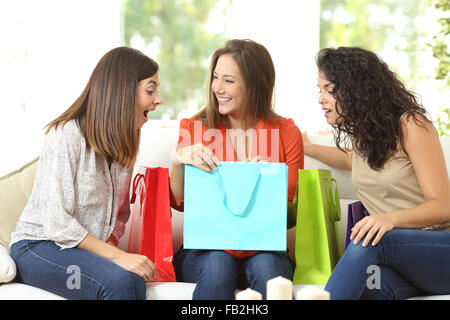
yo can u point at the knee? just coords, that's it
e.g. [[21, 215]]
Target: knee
[[216, 274], [217, 266], [356, 252], [124, 285], [268, 265], [215, 259], [139, 285]]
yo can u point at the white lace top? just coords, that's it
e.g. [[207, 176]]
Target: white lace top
[[74, 193]]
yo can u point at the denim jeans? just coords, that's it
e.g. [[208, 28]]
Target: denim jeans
[[405, 263], [218, 274], [74, 273]]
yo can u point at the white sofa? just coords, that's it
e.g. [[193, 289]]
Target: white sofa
[[157, 146]]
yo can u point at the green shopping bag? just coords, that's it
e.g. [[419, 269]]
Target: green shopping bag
[[317, 245]]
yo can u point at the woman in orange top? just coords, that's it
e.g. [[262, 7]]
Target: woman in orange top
[[238, 124]]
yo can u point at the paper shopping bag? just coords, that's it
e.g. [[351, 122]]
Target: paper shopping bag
[[151, 226], [241, 206], [317, 245], [356, 211]]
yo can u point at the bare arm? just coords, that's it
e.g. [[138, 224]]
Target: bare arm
[[136, 263], [425, 152], [327, 154]]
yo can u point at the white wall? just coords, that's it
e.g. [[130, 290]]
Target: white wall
[[49, 49], [290, 30], [52, 47]]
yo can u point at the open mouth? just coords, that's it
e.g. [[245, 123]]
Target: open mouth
[[147, 111], [224, 100]]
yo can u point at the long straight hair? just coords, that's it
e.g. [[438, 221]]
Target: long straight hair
[[105, 110], [258, 72]]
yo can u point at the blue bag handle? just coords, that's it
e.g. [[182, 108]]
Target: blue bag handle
[[235, 198]]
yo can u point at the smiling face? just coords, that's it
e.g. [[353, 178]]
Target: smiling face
[[327, 99], [147, 98], [228, 86]]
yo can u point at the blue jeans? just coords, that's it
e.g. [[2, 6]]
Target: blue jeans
[[74, 273], [404, 264], [218, 274]]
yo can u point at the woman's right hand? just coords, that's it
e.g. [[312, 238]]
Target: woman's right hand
[[136, 263], [197, 155]]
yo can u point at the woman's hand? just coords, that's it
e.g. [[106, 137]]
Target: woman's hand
[[197, 155], [377, 224], [136, 263]]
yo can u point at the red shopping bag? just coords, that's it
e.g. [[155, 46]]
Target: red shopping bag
[[151, 225]]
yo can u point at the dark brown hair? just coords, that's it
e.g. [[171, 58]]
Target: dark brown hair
[[105, 110], [370, 101], [258, 72]]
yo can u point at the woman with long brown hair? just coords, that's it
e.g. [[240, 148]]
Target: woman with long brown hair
[[237, 124], [401, 249], [65, 240]]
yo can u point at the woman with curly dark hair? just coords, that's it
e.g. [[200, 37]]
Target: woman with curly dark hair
[[384, 136]]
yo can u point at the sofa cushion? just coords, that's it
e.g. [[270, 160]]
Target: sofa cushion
[[7, 266], [170, 291], [20, 291], [15, 189]]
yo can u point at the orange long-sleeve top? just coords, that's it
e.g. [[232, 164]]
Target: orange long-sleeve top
[[278, 140]]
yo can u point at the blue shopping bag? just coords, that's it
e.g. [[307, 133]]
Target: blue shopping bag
[[241, 206]]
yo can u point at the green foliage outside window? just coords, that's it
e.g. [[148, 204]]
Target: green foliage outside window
[[370, 23], [441, 46], [176, 30], [443, 121], [441, 51]]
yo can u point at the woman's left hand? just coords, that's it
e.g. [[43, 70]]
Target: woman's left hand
[[377, 224]]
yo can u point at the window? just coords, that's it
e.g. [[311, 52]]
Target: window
[[182, 35], [400, 32], [50, 49], [53, 46]]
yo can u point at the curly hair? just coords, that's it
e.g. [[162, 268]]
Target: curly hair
[[370, 101]]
